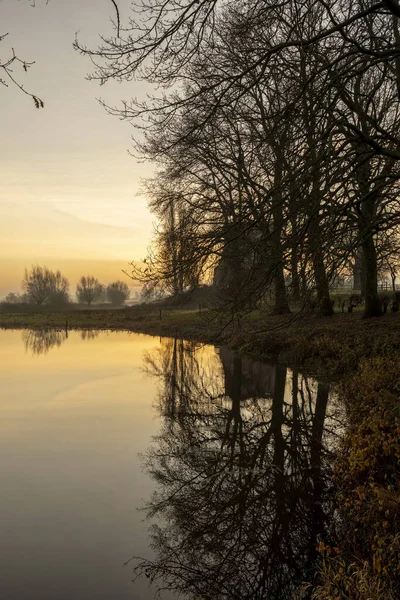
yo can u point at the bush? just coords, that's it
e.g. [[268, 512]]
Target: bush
[[367, 477]]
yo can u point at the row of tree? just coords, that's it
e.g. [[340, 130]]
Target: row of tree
[[277, 142], [43, 286]]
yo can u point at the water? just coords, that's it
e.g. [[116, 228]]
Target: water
[[235, 467]]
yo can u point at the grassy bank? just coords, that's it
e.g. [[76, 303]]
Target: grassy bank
[[331, 347], [361, 560]]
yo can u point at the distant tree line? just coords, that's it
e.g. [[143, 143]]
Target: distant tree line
[[42, 286], [276, 135]]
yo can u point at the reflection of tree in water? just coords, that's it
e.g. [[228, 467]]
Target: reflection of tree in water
[[89, 334], [185, 380], [42, 340], [243, 480]]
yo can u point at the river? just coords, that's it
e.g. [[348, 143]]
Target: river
[[210, 470]]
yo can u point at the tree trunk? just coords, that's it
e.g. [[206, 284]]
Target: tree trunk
[[281, 306], [324, 303], [295, 276], [358, 272], [369, 198], [295, 252], [393, 278], [373, 307], [303, 279], [173, 242]]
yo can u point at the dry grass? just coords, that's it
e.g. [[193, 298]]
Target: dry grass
[[338, 580]]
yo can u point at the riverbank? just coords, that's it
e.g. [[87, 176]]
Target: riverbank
[[330, 347], [359, 559]]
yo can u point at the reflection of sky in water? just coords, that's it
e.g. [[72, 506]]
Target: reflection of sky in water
[[75, 412], [73, 421]]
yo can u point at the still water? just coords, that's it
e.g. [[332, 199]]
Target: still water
[[228, 458]]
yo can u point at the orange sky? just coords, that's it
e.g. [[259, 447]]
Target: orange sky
[[69, 194]]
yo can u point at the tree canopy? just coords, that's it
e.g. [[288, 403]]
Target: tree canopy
[[89, 289], [41, 285], [117, 292], [275, 132]]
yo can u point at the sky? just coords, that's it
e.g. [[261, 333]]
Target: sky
[[69, 189]]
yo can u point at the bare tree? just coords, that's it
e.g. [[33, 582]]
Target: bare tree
[[10, 60], [43, 285], [89, 289], [13, 298], [8, 64], [60, 289], [279, 126], [117, 293]]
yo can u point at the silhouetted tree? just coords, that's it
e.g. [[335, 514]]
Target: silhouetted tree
[[9, 61], [89, 289], [13, 298], [43, 285], [117, 292], [278, 126], [60, 290]]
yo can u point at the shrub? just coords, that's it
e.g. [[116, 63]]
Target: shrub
[[367, 477]]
